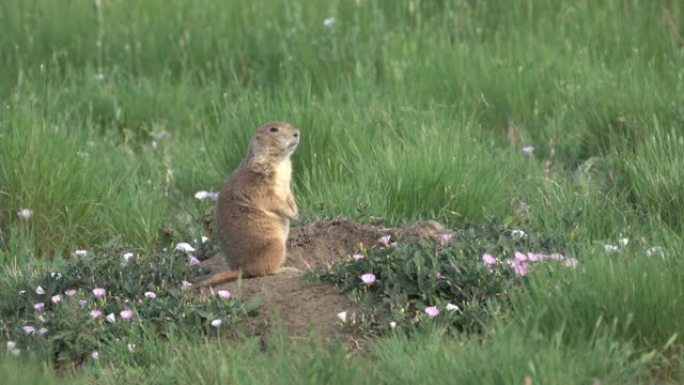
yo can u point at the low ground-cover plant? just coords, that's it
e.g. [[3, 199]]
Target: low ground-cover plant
[[107, 296], [459, 279]]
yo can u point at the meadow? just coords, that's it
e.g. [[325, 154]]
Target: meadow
[[562, 119]]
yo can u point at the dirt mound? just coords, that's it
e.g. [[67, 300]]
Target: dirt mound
[[300, 305]]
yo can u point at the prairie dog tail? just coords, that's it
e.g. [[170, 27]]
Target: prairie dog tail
[[225, 276]]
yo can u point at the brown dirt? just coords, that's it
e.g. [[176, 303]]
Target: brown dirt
[[303, 307]]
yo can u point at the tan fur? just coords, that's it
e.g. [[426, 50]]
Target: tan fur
[[256, 205]]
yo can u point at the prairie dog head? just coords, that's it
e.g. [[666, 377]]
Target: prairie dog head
[[272, 142]]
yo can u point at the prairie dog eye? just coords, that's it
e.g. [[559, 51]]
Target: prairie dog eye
[[274, 129]]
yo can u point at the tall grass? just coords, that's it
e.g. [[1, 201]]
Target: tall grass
[[114, 113]]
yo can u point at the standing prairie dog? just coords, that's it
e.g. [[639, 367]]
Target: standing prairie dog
[[256, 205]]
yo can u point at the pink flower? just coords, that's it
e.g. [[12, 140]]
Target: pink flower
[[432, 311], [56, 299], [82, 302], [39, 307], [99, 292], [71, 292], [150, 294], [532, 257], [368, 278], [384, 240], [193, 261], [444, 239], [357, 257], [42, 331], [223, 294], [519, 257], [95, 313], [520, 268], [126, 313], [488, 259], [28, 329]]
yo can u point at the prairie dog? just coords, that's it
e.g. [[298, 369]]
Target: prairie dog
[[256, 205]]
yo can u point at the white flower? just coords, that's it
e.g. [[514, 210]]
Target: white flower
[[150, 294], [25, 214], [81, 253], [11, 345], [357, 257], [127, 256], [160, 134], [611, 248], [393, 325], [452, 307], [223, 294], [15, 352], [329, 22], [40, 290], [202, 195], [111, 318], [99, 76], [186, 285], [655, 250], [216, 323], [131, 347], [56, 276], [528, 150], [518, 234], [623, 241], [342, 316], [95, 355], [204, 239], [184, 246], [570, 262]]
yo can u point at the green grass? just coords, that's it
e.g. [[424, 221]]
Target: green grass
[[405, 109]]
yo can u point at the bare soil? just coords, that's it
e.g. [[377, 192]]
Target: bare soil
[[303, 307]]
